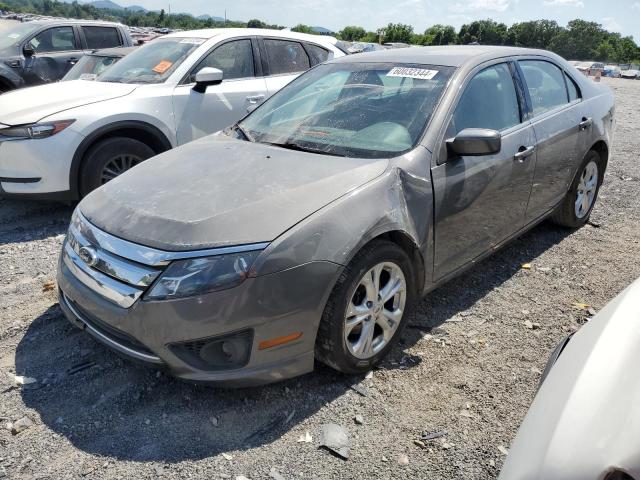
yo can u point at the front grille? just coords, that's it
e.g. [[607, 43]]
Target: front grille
[[114, 277]]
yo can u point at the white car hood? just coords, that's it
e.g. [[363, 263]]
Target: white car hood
[[585, 421], [29, 105]]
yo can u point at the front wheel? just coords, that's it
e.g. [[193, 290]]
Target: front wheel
[[367, 309], [575, 209], [109, 159]]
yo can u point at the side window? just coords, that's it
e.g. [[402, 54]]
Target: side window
[[57, 39], [574, 92], [101, 37], [286, 57], [235, 59], [316, 54], [545, 84], [489, 101]]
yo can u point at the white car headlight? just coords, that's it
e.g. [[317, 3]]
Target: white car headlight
[[197, 276], [34, 130]]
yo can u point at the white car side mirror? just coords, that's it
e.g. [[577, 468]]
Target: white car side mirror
[[206, 77]]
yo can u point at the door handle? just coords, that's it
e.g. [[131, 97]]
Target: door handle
[[255, 99], [72, 61], [524, 153], [585, 123]]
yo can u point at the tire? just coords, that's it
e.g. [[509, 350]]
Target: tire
[[333, 347], [567, 213], [110, 158]]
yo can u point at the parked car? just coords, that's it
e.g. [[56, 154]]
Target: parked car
[[308, 230], [612, 71], [93, 64], [166, 93], [591, 68], [395, 45], [584, 421], [41, 52], [630, 74], [360, 47]]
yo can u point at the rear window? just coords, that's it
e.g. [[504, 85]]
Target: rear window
[[286, 57], [574, 92], [101, 37], [317, 54], [545, 83]]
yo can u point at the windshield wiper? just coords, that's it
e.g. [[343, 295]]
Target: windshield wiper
[[244, 132], [300, 148]]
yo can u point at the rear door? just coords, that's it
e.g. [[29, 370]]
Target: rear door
[[57, 49], [556, 116], [480, 201], [98, 37], [283, 60], [198, 114]]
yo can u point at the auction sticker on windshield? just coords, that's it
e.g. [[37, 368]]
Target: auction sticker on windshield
[[162, 67], [409, 72]]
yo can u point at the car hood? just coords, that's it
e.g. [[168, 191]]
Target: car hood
[[219, 191], [28, 105], [585, 421]]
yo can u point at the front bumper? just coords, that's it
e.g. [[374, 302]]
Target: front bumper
[[269, 306], [38, 168]]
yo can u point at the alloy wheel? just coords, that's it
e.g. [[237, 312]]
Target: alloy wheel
[[117, 166], [587, 187], [375, 310]]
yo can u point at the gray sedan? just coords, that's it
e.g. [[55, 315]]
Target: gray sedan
[[309, 230]]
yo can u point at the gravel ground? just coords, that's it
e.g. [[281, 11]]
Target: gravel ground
[[467, 365]]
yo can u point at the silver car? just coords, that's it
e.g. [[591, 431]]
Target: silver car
[[309, 229]]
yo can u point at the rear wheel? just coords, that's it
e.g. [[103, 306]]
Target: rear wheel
[[109, 159], [367, 309], [577, 205]]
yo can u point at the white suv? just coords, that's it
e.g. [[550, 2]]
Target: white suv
[[61, 141]]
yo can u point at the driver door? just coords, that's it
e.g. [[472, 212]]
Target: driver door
[[200, 114], [56, 51], [480, 201]]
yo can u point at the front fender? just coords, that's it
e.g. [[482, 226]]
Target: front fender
[[10, 77], [397, 201]]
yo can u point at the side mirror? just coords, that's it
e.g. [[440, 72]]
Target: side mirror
[[475, 142], [28, 50], [206, 77]]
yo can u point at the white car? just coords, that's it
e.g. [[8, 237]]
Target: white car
[[61, 141], [584, 422]]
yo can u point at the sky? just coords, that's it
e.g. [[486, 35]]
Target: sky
[[616, 15]]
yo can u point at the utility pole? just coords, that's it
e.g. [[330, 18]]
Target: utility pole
[[225, 16]]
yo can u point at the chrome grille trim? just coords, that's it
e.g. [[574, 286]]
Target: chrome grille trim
[[147, 255], [113, 265], [116, 292]]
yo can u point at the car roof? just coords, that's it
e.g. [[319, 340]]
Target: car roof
[[450, 55], [73, 22], [113, 52], [213, 32]]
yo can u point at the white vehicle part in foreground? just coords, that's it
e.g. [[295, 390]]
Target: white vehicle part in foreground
[[584, 422]]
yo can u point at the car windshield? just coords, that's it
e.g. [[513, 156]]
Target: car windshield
[[90, 66], [365, 110], [14, 35], [153, 62]]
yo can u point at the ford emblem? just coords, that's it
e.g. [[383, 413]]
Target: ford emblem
[[88, 256]]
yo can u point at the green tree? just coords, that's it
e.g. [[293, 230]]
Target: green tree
[[161, 18], [397, 32], [485, 32], [440, 35], [302, 28], [533, 34], [255, 23], [579, 41], [352, 33]]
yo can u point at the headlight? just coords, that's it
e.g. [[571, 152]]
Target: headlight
[[197, 276], [34, 131]]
